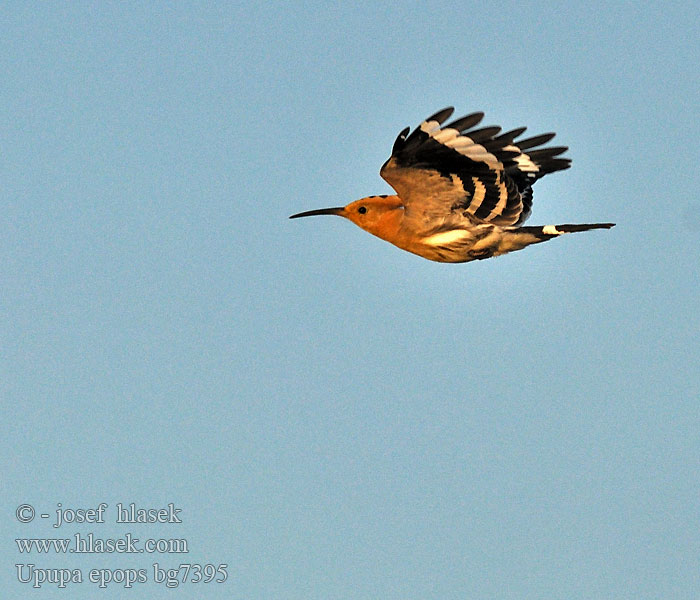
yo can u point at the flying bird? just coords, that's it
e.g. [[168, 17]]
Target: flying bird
[[462, 193]]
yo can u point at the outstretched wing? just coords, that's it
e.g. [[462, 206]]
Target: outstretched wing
[[458, 171]]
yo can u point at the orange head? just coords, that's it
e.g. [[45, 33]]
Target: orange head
[[379, 215]]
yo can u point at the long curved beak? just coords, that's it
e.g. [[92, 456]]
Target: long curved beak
[[338, 210]]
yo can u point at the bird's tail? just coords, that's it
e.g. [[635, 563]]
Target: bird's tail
[[547, 232]]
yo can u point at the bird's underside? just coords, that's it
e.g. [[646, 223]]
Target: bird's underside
[[477, 242], [462, 193]]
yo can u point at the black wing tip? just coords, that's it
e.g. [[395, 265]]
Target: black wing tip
[[509, 136], [400, 140], [484, 134], [466, 122], [442, 115], [537, 140], [552, 165]]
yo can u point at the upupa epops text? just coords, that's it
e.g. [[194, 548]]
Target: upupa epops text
[[462, 194]]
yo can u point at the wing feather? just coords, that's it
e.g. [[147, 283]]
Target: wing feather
[[454, 172]]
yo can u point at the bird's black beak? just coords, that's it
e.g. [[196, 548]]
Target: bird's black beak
[[338, 210]]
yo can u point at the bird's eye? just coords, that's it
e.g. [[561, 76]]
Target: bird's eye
[[362, 210]]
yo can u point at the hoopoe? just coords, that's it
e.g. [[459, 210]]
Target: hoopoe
[[462, 194]]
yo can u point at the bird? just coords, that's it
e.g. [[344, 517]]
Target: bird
[[462, 193]]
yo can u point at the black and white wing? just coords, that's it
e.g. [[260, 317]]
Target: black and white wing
[[457, 171]]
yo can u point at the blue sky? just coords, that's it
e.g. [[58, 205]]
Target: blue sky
[[337, 418]]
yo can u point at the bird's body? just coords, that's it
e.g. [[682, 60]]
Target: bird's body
[[461, 194]]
